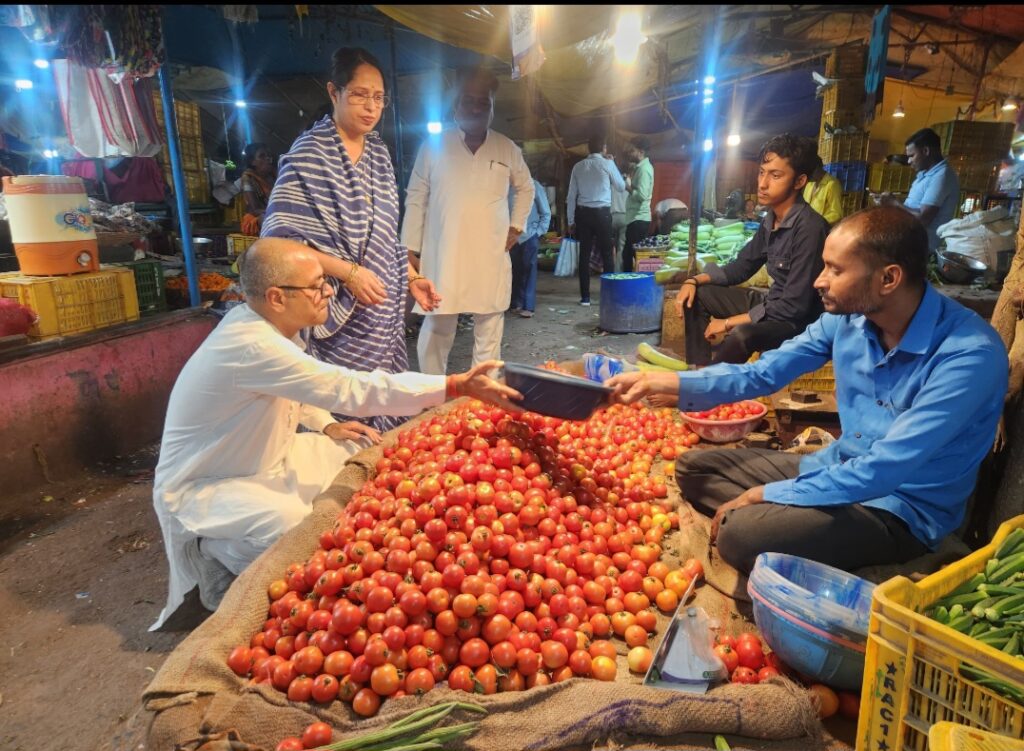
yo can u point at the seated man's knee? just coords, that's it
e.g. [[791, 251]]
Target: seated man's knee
[[275, 521], [738, 540], [743, 339]]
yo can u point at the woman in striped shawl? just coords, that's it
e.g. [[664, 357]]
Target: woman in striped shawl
[[336, 192]]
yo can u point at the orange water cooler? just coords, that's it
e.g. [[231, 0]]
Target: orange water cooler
[[51, 227]]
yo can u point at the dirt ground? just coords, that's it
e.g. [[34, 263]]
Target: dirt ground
[[83, 573]]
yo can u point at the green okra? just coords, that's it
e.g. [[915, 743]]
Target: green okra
[[967, 587], [1007, 567], [1012, 647], [978, 611], [1006, 605], [1014, 543]]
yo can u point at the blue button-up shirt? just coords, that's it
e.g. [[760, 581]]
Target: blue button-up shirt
[[917, 420], [540, 213], [591, 183], [936, 186]]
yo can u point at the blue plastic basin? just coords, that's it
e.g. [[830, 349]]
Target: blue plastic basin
[[814, 616]]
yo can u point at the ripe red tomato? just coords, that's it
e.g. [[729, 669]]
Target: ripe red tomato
[[728, 656], [240, 660], [744, 675], [325, 689], [290, 744], [750, 654], [766, 672]]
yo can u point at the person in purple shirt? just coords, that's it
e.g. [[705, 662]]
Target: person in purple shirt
[[920, 383]]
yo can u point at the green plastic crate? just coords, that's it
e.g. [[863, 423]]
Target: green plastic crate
[[149, 285]]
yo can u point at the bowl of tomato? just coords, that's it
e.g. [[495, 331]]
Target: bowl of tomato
[[813, 615], [727, 422]]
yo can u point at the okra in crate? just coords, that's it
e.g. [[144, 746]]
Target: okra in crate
[[950, 648]]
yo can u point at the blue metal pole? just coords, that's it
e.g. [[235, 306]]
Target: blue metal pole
[[180, 188]]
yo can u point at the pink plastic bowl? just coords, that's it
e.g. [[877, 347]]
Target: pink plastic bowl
[[726, 431]]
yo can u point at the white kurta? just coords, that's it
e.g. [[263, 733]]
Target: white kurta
[[457, 217], [230, 446]]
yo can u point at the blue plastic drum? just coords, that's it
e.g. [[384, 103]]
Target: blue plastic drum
[[631, 303], [813, 615]]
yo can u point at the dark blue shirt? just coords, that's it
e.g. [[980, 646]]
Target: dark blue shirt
[[917, 420]]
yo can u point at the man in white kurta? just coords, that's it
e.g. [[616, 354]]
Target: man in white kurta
[[234, 474], [457, 219]]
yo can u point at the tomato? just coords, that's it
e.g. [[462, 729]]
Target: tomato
[[554, 654], [486, 680], [290, 744], [308, 661], [765, 673], [461, 678], [744, 675], [240, 660], [693, 569], [849, 705], [384, 679], [727, 640], [581, 662], [283, 675], [824, 699], [300, 689], [325, 689], [750, 654], [604, 668], [639, 659], [528, 661], [635, 636], [728, 656], [474, 653], [419, 681], [365, 703]]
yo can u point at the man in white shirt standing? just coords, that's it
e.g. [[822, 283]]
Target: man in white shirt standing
[[234, 475], [619, 224], [589, 209], [457, 219]]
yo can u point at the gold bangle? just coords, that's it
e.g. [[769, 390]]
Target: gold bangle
[[691, 279], [416, 278], [352, 274], [728, 324]]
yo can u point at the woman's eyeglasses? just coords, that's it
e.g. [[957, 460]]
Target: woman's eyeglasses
[[359, 98]]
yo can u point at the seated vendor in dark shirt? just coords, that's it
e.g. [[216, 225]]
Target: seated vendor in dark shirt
[[789, 242]]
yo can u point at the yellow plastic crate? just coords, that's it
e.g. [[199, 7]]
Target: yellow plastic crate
[[843, 147], [822, 380], [847, 62], [238, 244], [75, 304], [912, 671], [890, 178], [844, 94], [852, 202], [949, 736]]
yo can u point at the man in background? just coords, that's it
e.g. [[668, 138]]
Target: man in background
[[457, 219], [936, 189], [824, 193], [589, 209], [524, 253], [640, 187]]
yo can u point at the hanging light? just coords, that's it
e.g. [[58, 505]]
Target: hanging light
[[41, 63], [899, 112], [628, 38], [241, 104], [433, 127], [708, 144], [1011, 104], [733, 139], [22, 84]]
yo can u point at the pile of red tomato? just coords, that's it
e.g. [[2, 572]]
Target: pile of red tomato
[[735, 411], [490, 551]]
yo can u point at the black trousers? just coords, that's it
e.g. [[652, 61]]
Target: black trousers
[[847, 537], [714, 301], [635, 232], [594, 232]]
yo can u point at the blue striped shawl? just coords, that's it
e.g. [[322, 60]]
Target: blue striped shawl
[[319, 199]]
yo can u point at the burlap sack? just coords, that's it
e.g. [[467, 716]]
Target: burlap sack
[[195, 688]]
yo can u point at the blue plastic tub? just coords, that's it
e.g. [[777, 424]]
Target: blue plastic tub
[[813, 615], [548, 392], [631, 303]]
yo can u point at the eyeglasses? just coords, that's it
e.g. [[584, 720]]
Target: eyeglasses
[[360, 98], [320, 289]]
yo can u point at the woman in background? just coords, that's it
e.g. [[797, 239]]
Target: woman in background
[[257, 181], [336, 192]]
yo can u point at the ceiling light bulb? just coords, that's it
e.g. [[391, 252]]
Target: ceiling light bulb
[[628, 38], [433, 127], [42, 64], [241, 104], [733, 139], [709, 80], [1010, 105], [898, 112], [708, 144], [22, 84]]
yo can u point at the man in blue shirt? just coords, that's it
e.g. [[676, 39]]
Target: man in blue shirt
[[935, 191], [589, 209], [524, 253], [920, 382]]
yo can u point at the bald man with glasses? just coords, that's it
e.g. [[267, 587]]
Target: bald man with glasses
[[234, 472]]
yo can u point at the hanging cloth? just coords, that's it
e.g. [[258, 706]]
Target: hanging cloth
[[103, 118]]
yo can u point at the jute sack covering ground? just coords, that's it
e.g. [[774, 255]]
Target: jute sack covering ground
[[195, 689]]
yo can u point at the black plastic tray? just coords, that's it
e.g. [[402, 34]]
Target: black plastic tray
[[548, 392]]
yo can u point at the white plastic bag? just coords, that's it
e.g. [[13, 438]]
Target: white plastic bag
[[568, 257]]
